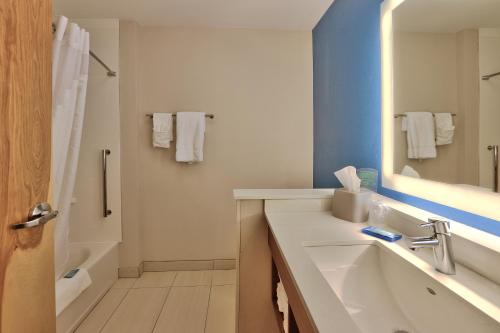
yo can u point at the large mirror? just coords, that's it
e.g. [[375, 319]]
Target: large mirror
[[441, 100], [446, 64]]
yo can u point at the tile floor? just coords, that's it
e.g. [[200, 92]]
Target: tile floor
[[167, 302]]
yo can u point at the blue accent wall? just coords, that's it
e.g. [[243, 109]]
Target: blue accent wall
[[346, 89], [347, 113]]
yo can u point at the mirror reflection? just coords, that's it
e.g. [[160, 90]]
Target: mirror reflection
[[447, 91]]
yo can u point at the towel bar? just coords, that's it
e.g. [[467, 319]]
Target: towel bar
[[399, 115], [208, 115]]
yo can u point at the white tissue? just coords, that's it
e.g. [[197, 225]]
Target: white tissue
[[349, 179]]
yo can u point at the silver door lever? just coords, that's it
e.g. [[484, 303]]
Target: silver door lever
[[40, 214]]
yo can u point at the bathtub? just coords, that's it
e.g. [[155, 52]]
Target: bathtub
[[101, 261]]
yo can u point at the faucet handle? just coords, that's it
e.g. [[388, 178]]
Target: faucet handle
[[439, 226], [431, 222], [428, 224]]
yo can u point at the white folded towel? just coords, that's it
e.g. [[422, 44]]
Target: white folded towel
[[162, 130], [444, 128], [419, 127], [68, 289], [408, 171], [283, 304], [190, 136]]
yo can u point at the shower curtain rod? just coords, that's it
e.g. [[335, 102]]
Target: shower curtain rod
[[93, 55], [487, 77]]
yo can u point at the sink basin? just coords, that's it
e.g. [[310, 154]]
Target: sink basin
[[383, 292]]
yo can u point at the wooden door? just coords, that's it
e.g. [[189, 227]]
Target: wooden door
[[26, 255]]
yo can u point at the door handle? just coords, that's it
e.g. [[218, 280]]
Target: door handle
[[40, 214]]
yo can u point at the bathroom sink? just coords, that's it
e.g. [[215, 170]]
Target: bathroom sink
[[384, 293]]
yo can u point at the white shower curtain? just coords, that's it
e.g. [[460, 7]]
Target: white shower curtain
[[70, 66]]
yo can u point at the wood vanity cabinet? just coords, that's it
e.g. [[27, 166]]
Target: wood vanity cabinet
[[258, 264], [299, 319], [254, 307]]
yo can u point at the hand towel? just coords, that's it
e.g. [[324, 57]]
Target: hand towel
[[68, 289], [190, 136], [420, 135], [283, 304], [408, 171], [444, 128], [162, 130]]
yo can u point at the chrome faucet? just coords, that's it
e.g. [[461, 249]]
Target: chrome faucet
[[440, 242]]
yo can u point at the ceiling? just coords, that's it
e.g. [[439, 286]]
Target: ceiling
[[446, 16], [251, 14]]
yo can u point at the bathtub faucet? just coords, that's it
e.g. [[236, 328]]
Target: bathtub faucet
[[440, 242]]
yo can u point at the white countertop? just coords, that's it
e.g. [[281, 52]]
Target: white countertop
[[472, 234], [293, 228]]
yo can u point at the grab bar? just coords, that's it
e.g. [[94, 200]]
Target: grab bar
[[106, 211], [494, 149]]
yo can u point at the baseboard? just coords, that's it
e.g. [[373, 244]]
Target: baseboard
[[131, 272], [224, 264], [189, 265], [176, 265]]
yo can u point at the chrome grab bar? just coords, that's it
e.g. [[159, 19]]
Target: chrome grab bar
[[106, 211], [494, 149], [40, 214]]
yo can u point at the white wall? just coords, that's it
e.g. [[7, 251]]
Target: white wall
[[489, 62], [101, 130], [258, 83], [130, 248]]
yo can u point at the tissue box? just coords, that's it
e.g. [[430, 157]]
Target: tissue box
[[350, 206]]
